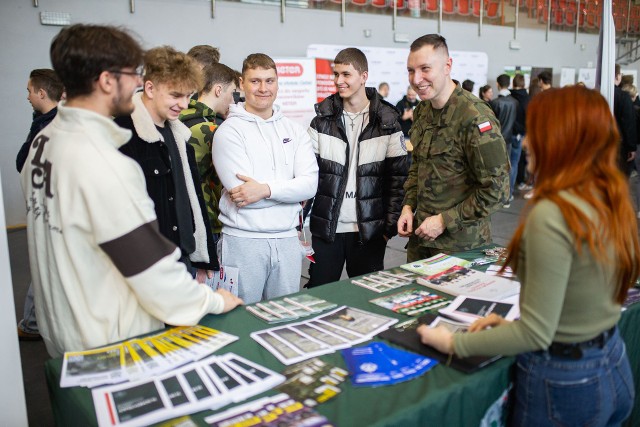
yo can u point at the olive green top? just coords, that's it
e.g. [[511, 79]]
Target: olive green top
[[565, 296]]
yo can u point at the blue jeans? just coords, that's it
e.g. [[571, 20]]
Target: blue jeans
[[596, 390], [514, 149]]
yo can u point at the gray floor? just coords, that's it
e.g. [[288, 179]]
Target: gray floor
[[34, 354]]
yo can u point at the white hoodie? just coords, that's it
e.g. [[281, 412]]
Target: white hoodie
[[276, 152]]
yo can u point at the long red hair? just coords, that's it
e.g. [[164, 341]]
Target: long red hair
[[574, 142]]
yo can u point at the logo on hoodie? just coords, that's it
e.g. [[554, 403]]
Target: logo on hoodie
[[284, 141]]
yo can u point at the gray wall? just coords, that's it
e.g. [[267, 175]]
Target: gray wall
[[238, 29]]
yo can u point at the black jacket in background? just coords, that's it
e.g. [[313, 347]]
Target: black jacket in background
[[626, 120], [40, 121], [522, 96], [505, 109], [402, 105]]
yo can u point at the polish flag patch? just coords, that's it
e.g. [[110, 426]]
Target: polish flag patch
[[485, 126]]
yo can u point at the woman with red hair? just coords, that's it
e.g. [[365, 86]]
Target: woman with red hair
[[576, 254]]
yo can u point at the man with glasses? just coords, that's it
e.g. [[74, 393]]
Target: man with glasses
[[101, 271], [220, 83], [159, 145]]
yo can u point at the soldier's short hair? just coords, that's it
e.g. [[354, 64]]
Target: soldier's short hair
[[353, 56], [205, 54], [258, 60], [436, 41], [626, 79], [218, 74], [503, 80], [79, 54], [47, 80], [518, 81], [165, 65]]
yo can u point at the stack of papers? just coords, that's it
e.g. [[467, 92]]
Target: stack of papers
[[280, 411], [141, 358], [435, 264], [383, 281], [412, 302], [378, 364], [289, 308], [338, 329], [208, 384], [313, 381]]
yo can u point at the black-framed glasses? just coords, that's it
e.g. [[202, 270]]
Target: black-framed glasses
[[139, 71]]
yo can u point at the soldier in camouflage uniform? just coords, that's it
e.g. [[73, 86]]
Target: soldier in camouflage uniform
[[460, 172], [214, 99]]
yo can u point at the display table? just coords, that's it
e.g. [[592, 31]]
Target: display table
[[443, 396]]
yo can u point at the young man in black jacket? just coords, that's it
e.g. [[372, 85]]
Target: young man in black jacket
[[160, 145], [363, 164]]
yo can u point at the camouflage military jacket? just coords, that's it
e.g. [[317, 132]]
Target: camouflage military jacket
[[201, 121], [459, 169]]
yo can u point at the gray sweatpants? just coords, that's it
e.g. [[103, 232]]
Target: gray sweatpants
[[268, 268]]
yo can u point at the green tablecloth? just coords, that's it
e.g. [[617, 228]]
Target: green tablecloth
[[443, 396]]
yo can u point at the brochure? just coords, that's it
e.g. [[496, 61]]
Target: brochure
[[191, 388], [412, 302], [407, 337], [378, 364], [468, 310], [141, 358], [435, 264], [459, 280], [323, 334], [289, 308], [313, 381], [383, 281]]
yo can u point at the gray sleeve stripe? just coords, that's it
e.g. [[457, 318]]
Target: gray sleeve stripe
[[139, 249]]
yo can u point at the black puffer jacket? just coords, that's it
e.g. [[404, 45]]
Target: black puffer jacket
[[383, 165]]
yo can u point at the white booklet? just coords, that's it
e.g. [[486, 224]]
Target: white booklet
[[469, 309], [435, 264]]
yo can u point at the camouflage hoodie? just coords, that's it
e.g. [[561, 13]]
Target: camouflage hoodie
[[201, 121]]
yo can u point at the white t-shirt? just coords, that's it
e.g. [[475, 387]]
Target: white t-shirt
[[354, 123]]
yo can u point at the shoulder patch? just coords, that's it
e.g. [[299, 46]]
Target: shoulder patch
[[484, 126]]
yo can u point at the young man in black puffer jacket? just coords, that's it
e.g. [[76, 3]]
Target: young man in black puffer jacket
[[363, 164]]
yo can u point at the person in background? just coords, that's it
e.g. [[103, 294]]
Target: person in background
[[460, 171], [625, 117], [486, 93], [519, 130], [267, 168], [220, 82], [468, 85], [101, 270], [505, 107], [44, 92], [204, 55], [576, 254], [545, 80], [159, 145], [383, 89], [406, 106]]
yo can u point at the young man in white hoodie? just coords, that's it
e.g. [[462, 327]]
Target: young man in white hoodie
[[267, 167]]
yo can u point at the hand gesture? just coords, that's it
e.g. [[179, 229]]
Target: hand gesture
[[250, 192], [230, 300], [439, 338], [202, 275], [431, 228], [490, 321], [405, 222]]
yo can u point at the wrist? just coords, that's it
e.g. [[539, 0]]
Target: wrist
[[267, 191]]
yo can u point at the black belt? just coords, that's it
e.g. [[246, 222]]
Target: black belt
[[574, 350]]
